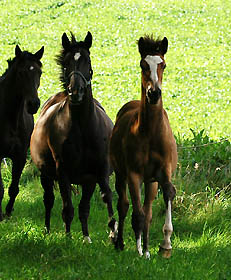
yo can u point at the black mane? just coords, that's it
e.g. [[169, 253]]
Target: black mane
[[149, 46]]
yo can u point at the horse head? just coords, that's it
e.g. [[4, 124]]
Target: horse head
[[152, 64], [27, 69], [76, 67]]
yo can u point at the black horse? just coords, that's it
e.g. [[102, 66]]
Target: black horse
[[70, 139], [18, 102]]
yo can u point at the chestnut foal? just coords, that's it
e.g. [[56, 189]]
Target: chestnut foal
[[143, 150]]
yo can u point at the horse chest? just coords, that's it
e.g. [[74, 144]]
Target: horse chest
[[81, 153]]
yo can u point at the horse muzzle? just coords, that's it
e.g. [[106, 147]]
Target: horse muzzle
[[76, 95], [153, 95], [33, 106]]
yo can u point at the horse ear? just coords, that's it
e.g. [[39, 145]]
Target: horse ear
[[65, 42], [164, 46], [141, 45], [39, 53], [88, 40], [17, 51]]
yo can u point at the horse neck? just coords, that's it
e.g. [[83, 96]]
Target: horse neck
[[150, 115], [13, 100], [82, 113]]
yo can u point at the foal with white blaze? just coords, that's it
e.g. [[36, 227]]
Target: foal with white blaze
[[143, 150]]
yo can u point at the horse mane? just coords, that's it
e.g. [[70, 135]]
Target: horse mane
[[74, 47], [150, 46]]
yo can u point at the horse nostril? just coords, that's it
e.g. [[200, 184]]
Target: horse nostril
[[151, 91], [158, 91]]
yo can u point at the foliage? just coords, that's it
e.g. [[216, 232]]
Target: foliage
[[196, 93]]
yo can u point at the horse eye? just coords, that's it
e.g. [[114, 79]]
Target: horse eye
[[31, 68]]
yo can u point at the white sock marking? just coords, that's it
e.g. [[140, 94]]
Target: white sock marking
[[168, 228], [138, 245], [113, 233]]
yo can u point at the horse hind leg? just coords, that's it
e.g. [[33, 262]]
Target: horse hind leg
[[106, 194], [122, 207], [169, 194], [17, 167], [84, 209], [65, 191], [48, 198]]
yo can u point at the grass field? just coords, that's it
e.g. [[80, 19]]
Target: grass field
[[196, 94]]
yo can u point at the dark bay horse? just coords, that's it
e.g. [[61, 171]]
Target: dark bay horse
[[69, 143], [143, 150], [18, 102]]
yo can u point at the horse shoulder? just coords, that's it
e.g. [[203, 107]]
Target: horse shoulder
[[57, 98], [126, 139], [58, 127], [50, 132], [130, 106]]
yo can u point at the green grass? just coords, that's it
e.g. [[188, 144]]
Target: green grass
[[196, 94]]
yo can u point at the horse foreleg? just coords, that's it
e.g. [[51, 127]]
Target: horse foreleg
[[84, 208], [1, 194], [122, 207], [17, 167], [169, 194], [65, 190], [48, 198], [150, 194], [134, 183]]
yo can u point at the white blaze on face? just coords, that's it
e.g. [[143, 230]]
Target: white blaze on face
[[77, 56], [153, 61]]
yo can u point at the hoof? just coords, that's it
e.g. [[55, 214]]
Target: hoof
[[9, 211], [113, 225], [119, 245], [147, 255], [87, 240], [69, 235], [6, 216], [140, 251], [165, 253], [46, 231]]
